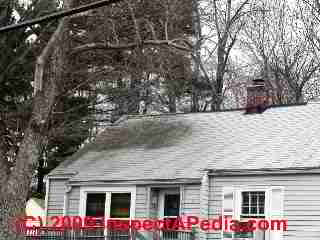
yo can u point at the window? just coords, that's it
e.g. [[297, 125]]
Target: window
[[108, 202], [104, 203], [244, 202], [171, 205], [170, 210], [120, 205], [96, 204], [253, 204]]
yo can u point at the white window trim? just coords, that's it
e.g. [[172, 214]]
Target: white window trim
[[46, 201], [107, 190], [265, 201], [237, 191], [238, 198]]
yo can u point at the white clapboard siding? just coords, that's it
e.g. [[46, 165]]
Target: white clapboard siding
[[191, 200], [74, 201], [141, 202], [56, 197], [301, 201]]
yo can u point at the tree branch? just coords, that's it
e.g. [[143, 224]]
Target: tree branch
[[129, 46]]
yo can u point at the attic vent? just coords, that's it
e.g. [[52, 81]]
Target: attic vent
[[258, 98]]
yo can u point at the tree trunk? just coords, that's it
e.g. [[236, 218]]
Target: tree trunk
[[298, 96], [172, 103], [40, 176], [134, 97], [3, 154], [221, 68], [14, 194], [197, 52], [135, 85], [195, 100]]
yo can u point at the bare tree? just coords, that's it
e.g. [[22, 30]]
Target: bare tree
[[280, 47], [223, 21], [135, 35]]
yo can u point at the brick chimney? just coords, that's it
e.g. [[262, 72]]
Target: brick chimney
[[258, 98]]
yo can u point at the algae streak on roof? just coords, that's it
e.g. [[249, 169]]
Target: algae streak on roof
[[180, 146], [147, 133]]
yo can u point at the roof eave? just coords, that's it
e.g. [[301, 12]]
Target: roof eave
[[137, 182], [264, 171]]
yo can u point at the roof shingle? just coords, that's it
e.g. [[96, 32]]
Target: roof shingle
[[180, 146]]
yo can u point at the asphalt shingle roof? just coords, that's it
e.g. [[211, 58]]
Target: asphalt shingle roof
[[281, 137]]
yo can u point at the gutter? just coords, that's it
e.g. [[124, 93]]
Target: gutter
[[61, 175], [135, 182], [264, 171]]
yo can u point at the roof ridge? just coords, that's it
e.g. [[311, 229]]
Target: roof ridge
[[141, 116]]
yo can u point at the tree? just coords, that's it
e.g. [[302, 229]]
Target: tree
[[136, 35], [129, 33], [15, 187], [224, 20], [19, 50], [282, 49]]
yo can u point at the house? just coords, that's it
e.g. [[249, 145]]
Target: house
[[262, 162]]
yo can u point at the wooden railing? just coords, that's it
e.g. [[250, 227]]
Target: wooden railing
[[99, 233], [176, 235]]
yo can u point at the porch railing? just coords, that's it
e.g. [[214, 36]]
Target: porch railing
[[175, 235], [98, 233]]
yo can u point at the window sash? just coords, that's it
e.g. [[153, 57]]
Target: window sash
[[253, 202], [161, 203], [166, 207], [113, 207]]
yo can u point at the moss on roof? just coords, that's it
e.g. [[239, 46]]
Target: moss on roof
[[149, 133]]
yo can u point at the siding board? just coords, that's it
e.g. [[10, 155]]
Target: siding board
[[141, 210], [301, 201], [191, 201], [56, 197], [74, 201]]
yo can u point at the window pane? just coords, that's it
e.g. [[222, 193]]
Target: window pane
[[172, 205], [120, 205], [254, 199], [254, 210], [96, 204], [245, 198], [261, 199], [261, 210], [245, 210]]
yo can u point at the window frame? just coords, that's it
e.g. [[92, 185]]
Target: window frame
[[161, 204], [249, 215], [162, 194], [237, 206], [108, 191], [269, 208]]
